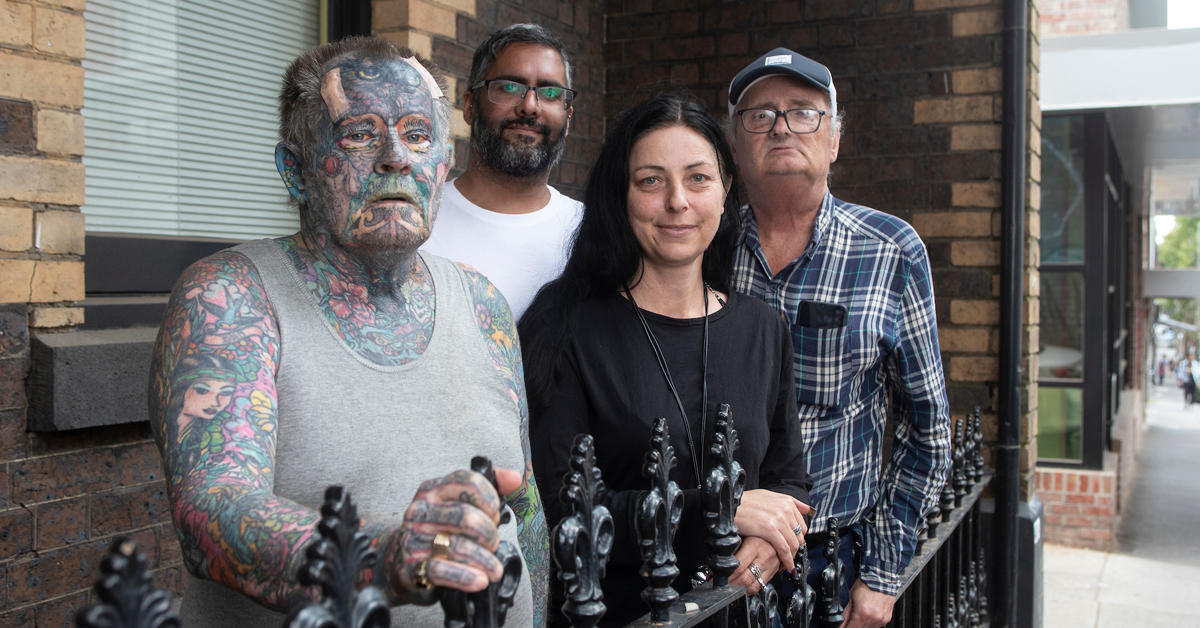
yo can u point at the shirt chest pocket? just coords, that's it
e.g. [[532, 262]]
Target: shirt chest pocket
[[821, 363]]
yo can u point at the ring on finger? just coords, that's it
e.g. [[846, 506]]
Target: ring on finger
[[441, 545], [756, 571], [799, 529], [421, 577]]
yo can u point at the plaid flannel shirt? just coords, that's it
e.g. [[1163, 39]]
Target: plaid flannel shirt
[[876, 266]]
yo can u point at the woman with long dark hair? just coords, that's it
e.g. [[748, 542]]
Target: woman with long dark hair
[[641, 325]]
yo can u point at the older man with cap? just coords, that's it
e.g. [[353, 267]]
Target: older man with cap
[[854, 284]]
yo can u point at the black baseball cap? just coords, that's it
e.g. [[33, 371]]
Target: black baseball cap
[[788, 63]]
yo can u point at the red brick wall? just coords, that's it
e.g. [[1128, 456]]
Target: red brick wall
[[1081, 17], [1081, 507], [919, 82], [64, 497]]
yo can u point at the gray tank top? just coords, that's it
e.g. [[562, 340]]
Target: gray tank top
[[377, 430]]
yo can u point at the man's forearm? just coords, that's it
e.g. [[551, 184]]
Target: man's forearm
[[534, 538], [247, 540]]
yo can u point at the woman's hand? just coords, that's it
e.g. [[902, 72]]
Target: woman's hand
[[755, 551], [774, 518], [466, 507]]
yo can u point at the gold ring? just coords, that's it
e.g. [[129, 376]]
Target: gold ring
[[421, 578], [441, 545]]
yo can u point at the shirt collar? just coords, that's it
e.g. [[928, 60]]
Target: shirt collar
[[824, 216]]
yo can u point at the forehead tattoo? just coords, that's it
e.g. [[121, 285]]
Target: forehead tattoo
[[433, 86], [384, 82]]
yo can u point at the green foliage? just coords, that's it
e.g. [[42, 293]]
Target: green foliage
[[1182, 310], [1179, 247]]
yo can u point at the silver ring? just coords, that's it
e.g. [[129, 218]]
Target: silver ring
[[799, 529], [756, 571]]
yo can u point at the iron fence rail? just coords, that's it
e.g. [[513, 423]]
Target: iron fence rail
[[943, 587]]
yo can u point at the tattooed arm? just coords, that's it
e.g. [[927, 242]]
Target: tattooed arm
[[496, 322], [213, 412]]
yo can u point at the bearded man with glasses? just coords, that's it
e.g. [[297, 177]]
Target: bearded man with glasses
[[501, 216], [854, 284]]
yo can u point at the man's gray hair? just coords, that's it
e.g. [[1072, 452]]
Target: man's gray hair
[[301, 106], [495, 43]]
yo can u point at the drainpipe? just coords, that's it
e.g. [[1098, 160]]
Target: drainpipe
[[1012, 259], [1012, 293]]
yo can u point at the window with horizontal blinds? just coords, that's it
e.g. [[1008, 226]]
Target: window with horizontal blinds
[[181, 118]]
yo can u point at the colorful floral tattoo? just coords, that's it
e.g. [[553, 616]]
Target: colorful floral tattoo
[[219, 333], [495, 320]]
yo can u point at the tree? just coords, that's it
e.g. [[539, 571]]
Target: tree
[[1178, 249]]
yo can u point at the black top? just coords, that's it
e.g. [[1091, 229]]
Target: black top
[[611, 386]]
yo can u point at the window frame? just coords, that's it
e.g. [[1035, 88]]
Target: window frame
[[1105, 292], [128, 277]]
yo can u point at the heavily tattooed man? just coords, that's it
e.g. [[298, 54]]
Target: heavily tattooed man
[[341, 355]]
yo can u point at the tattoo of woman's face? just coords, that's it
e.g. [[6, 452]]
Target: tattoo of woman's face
[[205, 398], [379, 167]]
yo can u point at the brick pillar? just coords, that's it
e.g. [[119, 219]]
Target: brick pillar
[[963, 235], [1031, 344], [63, 496], [448, 31], [41, 172], [963, 230]]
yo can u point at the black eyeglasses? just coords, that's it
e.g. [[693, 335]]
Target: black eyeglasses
[[798, 120], [505, 92]]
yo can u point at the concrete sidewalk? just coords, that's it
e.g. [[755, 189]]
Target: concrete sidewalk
[[1153, 577], [1090, 589]]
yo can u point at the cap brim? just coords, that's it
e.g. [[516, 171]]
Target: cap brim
[[797, 66]]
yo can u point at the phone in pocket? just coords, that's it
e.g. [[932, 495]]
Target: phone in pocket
[[821, 315]]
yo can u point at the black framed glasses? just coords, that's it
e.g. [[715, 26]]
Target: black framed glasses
[[505, 92], [798, 120]]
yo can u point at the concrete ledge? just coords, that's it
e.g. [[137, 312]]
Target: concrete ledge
[[89, 378]]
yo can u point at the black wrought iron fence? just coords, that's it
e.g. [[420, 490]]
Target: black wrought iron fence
[[945, 585], [942, 588]]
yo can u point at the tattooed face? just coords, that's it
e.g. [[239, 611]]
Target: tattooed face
[[205, 398], [377, 175]]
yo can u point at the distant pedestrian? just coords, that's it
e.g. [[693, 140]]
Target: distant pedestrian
[[1161, 371], [1187, 381], [1194, 365]]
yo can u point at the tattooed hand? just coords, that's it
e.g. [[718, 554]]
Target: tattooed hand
[[465, 505]]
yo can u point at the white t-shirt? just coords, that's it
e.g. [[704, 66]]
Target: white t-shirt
[[519, 253]]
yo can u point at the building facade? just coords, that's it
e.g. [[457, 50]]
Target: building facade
[[921, 83]]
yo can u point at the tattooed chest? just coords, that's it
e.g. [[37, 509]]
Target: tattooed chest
[[386, 334], [388, 329]]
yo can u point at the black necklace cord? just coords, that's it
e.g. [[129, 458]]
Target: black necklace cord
[[662, 365], [704, 393], [715, 295]]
